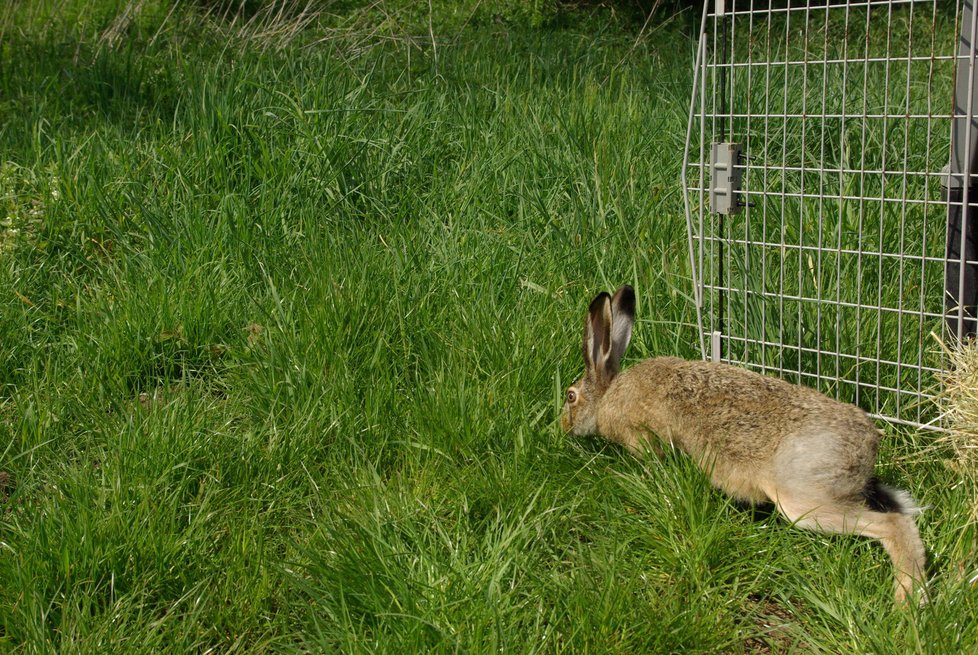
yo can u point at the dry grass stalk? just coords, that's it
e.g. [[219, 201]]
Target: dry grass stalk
[[959, 402]]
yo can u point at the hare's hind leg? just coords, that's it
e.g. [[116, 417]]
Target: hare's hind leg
[[895, 529]]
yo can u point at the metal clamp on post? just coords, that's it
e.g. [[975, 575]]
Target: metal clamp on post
[[726, 161]]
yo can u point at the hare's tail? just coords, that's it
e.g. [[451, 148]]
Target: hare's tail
[[884, 498]]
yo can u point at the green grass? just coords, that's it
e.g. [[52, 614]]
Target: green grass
[[283, 339]]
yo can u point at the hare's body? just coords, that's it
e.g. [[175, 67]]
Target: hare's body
[[746, 428], [760, 439]]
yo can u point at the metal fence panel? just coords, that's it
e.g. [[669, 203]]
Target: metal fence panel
[[826, 260]]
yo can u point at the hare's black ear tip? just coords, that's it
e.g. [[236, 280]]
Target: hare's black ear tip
[[625, 299], [599, 300]]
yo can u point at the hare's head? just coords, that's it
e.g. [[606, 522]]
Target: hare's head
[[607, 329]]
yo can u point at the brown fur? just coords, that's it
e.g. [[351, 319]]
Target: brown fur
[[759, 438]]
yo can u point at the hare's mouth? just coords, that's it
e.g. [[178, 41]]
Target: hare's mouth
[[578, 426]]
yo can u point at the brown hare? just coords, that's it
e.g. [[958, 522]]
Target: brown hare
[[760, 439]]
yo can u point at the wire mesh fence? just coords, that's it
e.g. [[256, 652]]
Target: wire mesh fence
[[817, 179]]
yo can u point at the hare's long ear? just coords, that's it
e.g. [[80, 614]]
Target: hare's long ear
[[622, 318], [597, 340]]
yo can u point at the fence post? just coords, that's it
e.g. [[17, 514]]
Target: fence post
[[961, 193]]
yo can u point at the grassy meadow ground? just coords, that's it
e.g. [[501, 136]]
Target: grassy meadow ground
[[284, 331]]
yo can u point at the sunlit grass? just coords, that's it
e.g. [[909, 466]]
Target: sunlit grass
[[283, 338]]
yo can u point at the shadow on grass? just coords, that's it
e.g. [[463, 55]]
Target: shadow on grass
[[73, 85]]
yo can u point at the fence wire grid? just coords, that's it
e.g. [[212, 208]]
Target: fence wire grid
[[816, 176]]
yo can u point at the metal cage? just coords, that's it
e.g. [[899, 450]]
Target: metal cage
[[827, 218]]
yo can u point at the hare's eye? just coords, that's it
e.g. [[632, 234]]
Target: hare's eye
[[571, 396]]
